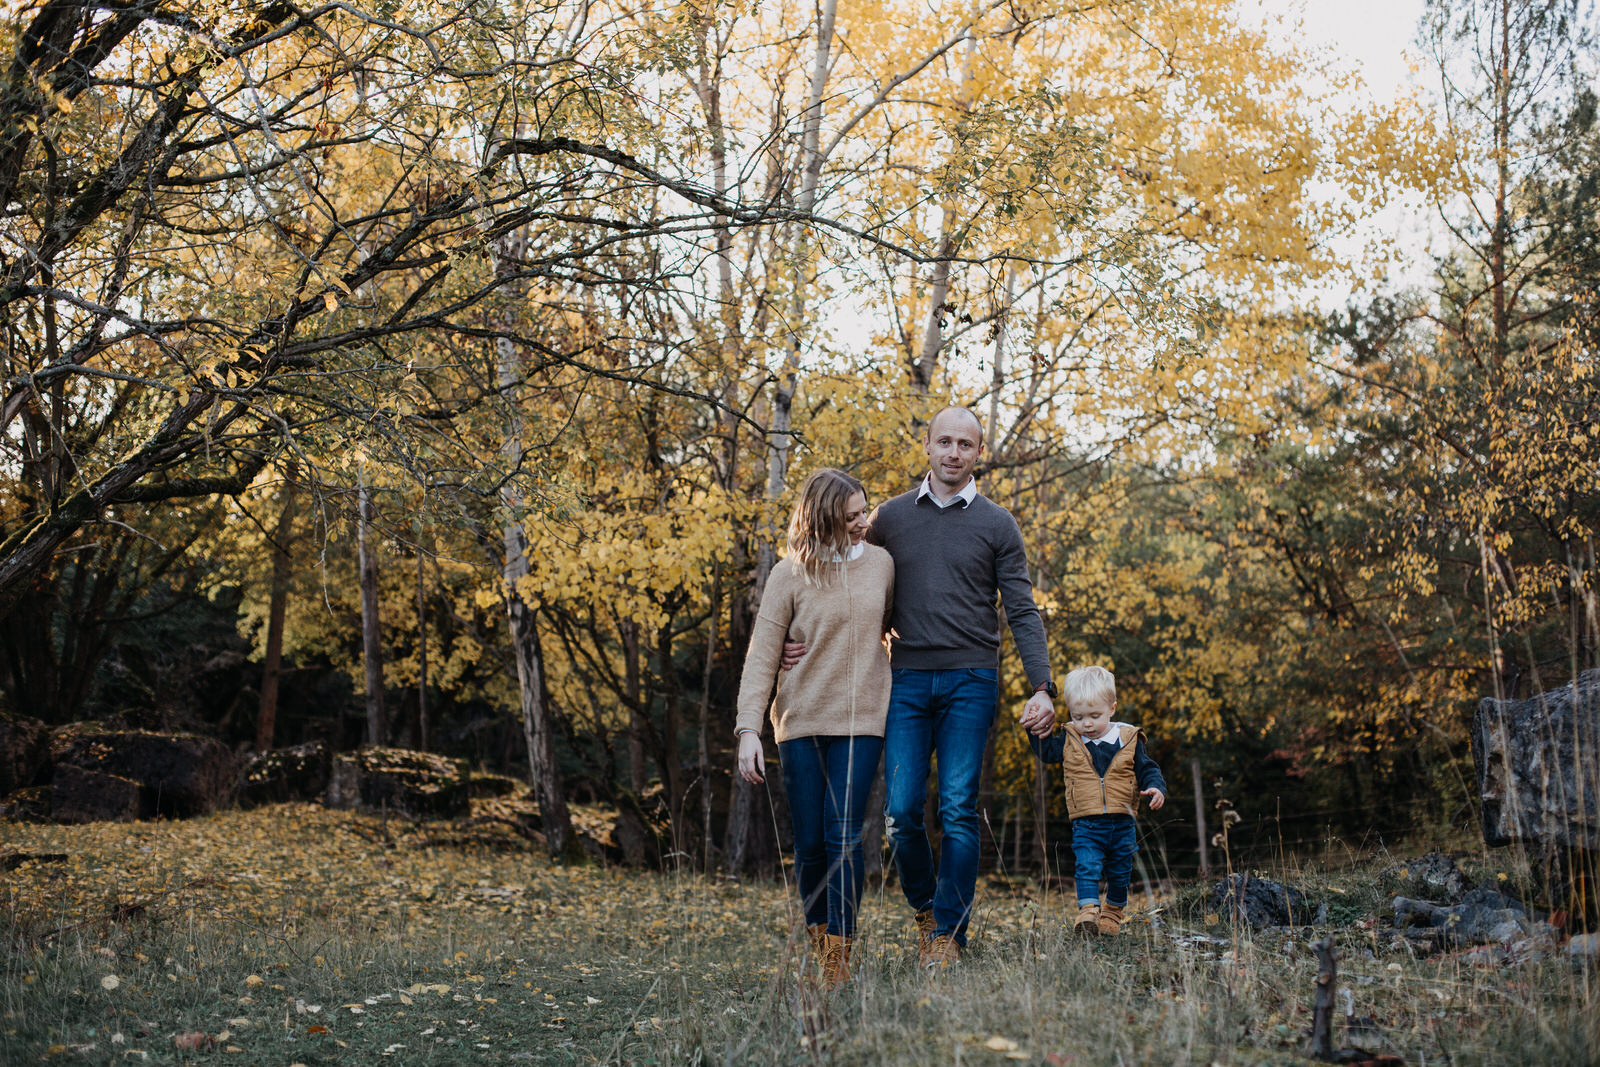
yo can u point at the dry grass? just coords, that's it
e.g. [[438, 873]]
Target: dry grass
[[295, 934]]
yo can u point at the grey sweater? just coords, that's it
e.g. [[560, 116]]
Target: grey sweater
[[949, 565]]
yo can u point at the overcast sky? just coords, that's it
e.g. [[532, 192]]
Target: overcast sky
[[1372, 36], [1376, 39]]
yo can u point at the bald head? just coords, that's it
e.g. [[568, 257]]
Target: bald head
[[953, 419], [953, 444]]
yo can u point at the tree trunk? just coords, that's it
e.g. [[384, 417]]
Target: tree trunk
[[422, 657], [1500, 231], [787, 383], [1041, 814], [277, 605], [538, 731], [371, 631], [707, 848], [638, 770], [1324, 990], [926, 362], [672, 772]]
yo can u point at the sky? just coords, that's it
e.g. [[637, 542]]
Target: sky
[[1376, 39], [1372, 36]]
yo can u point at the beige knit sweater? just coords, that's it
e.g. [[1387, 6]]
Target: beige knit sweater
[[841, 685]]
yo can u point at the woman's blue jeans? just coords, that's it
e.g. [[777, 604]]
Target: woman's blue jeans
[[827, 778], [1103, 847], [944, 715]]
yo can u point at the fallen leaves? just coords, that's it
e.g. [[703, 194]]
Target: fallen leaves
[[1011, 1050], [419, 988]]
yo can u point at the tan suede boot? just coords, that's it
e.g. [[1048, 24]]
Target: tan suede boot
[[1110, 920], [835, 960], [1087, 924], [943, 951], [924, 923], [814, 936]]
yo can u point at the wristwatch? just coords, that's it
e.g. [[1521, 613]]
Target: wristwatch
[[1048, 688]]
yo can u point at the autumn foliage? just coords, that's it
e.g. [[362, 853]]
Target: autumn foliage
[[437, 376]]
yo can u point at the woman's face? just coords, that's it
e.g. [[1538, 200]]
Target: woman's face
[[855, 517]]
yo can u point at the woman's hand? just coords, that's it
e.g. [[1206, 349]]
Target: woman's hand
[[752, 761]]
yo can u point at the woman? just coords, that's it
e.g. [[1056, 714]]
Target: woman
[[832, 594]]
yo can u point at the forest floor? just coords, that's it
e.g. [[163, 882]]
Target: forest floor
[[298, 935]]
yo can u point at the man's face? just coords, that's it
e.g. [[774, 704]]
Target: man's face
[[953, 444], [1091, 718]]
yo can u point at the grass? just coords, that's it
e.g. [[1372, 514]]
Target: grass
[[298, 935]]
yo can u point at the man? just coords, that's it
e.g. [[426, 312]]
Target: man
[[955, 551]]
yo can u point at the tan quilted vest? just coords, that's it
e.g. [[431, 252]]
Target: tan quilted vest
[[1089, 794]]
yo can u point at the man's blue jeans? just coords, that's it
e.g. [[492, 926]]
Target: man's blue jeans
[[1103, 847], [828, 778], [946, 715]]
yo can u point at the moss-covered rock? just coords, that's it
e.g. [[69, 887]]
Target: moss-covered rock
[[418, 784], [83, 795], [286, 774], [184, 774], [24, 753]]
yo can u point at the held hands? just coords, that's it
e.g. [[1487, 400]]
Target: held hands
[[1039, 715], [752, 761], [1157, 798], [792, 651]]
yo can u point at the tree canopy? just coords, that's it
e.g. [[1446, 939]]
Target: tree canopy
[[468, 354]]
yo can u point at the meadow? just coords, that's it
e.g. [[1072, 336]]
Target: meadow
[[297, 935]]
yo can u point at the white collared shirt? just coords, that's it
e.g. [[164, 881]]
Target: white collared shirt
[[854, 553], [1112, 736], [967, 495]]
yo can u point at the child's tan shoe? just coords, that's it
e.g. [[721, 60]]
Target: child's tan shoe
[[1087, 924], [1110, 920]]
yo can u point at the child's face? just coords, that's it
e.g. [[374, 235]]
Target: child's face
[[1091, 718]]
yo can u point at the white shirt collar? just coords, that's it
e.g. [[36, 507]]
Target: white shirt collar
[[853, 554], [1113, 736], [967, 495]]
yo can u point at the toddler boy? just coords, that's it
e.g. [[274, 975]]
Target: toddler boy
[[1106, 770]]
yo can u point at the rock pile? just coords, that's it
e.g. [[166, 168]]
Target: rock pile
[[1259, 902]]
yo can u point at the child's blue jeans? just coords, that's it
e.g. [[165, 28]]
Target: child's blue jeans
[[1103, 847]]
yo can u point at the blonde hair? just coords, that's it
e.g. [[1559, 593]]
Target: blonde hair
[[1090, 685], [818, 537]]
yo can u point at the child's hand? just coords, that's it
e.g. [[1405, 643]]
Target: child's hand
[[1157, 798], [1039, 716]]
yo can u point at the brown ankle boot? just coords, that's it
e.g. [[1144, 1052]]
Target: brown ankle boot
[[924, 922], [1111, 920], [1087, 924], [814, 938], [835, 960], [943, 951]]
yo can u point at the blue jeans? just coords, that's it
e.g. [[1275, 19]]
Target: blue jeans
[[945, 715], [1103, 847], [827, 778]]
